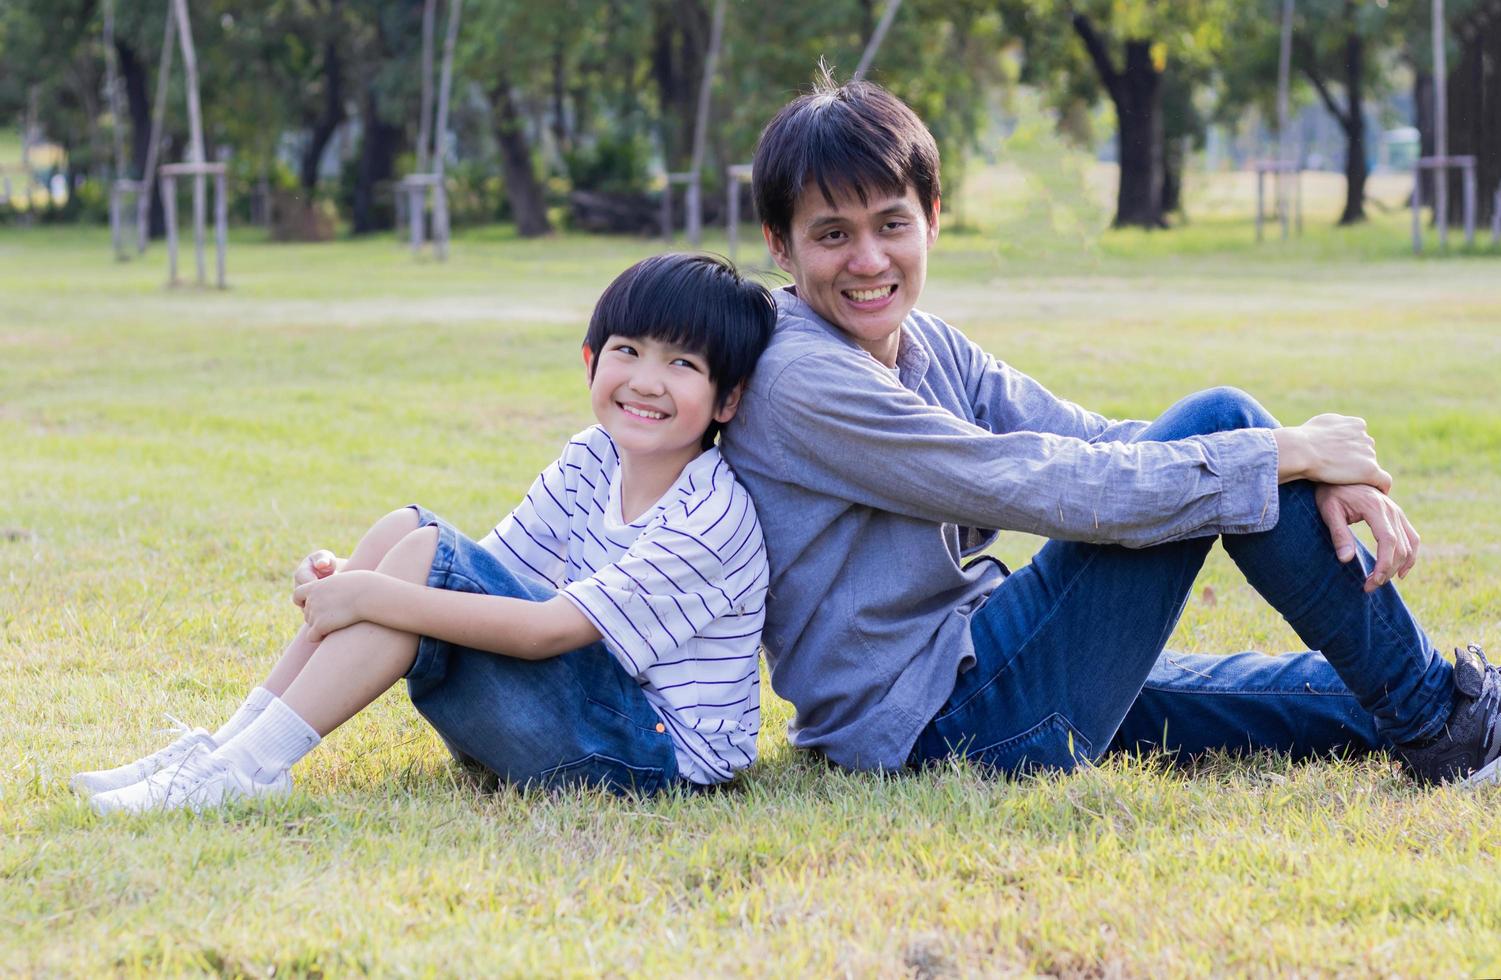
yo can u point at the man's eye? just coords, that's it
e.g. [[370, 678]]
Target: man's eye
[[833, 236], [897, 225]]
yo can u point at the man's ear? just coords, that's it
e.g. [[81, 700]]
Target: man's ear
[[731, 404], [778, 248], [933, 222], [588, 364]]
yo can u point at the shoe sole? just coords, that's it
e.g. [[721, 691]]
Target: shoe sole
[[272, 791], [1489, 775]]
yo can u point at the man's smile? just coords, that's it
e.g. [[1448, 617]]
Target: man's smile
[[870, 295]]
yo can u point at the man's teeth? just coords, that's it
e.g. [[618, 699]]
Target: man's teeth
[[645, 413], [866, 295]]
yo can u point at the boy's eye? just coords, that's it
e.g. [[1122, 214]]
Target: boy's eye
[[626, 349], [687, 362]]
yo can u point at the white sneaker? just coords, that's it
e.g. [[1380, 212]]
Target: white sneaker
[[200, 780], [104, 780]]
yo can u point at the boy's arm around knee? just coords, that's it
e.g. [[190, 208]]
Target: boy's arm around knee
[[497, 624]]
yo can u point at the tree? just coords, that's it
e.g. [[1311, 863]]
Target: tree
[[1147, 58], [1472, 92], [492, 52], [1341, 53], [1342, 36], [1474, 102]]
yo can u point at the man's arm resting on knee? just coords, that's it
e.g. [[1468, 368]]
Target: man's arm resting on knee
[[498, 624], [1329, 449], [832, 425]]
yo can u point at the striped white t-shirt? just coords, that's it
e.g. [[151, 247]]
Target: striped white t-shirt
[[678, 595]]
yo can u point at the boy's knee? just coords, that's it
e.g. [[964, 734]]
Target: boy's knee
[[402, 520], [412, 557]]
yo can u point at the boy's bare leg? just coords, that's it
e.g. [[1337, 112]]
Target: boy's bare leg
[[382, 536], [365, 659], [355, 665]]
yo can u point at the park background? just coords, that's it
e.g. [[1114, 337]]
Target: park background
[[170, 453]]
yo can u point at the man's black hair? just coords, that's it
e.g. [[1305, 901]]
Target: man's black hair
[[696, 302], [856, 137]]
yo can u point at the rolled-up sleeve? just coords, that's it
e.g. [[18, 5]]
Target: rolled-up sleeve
[[843, 428]]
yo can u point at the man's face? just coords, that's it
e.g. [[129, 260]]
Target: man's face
[[860, 266]]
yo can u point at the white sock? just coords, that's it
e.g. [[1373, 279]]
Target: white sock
[[254, 704], [272, 743]]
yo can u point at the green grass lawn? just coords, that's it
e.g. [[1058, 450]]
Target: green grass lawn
[[169, 455]]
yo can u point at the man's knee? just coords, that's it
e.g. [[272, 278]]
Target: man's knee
[[411, 558], [1225, 408]]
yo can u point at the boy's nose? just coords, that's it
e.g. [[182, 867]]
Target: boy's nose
[[646, 382]]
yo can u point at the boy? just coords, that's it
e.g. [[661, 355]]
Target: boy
[[881, 445], [605, 633]]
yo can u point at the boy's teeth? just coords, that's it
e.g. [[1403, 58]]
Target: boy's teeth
[[644, 413], [865, 295]]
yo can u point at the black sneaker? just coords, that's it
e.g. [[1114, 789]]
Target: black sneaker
[[1468, 750]]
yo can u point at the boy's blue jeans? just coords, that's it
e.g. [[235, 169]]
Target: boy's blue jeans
[[576, 719], [1071, 661]]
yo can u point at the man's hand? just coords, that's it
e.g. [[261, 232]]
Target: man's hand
[[1396, 540], [1330, 449], [335, 602], [320, 564]]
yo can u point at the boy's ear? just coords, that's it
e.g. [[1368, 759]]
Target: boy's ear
[[731, 404], [777, 246], [588, 364]]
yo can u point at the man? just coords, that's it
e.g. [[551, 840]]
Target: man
[[880, 444]]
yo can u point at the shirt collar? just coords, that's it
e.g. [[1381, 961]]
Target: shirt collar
[[911, 357]]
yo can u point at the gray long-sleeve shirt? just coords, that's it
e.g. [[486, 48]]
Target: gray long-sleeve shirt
[[872, 485]]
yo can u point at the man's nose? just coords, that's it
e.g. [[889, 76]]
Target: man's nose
[[869, 257]]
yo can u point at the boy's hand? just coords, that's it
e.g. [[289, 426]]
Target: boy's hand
[[320, 564], [332, 603]]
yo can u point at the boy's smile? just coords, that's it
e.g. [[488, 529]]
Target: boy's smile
[[654, 398], [860, 266]]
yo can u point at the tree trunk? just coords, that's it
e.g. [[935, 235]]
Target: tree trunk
[[328, 121], [1136, 92], [560, 102], [377, 165], [1351, 117], [1422, 103], [134, 74], [522, 188], [1354, 123], [681, 38], [1138, 108], [1172, 177]]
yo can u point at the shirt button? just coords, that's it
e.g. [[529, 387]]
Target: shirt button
[[661, 728]]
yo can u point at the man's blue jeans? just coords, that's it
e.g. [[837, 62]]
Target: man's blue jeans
[[1071, 661]]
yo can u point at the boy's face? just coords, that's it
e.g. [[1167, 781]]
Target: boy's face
[[654, 398], [860, 266]]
